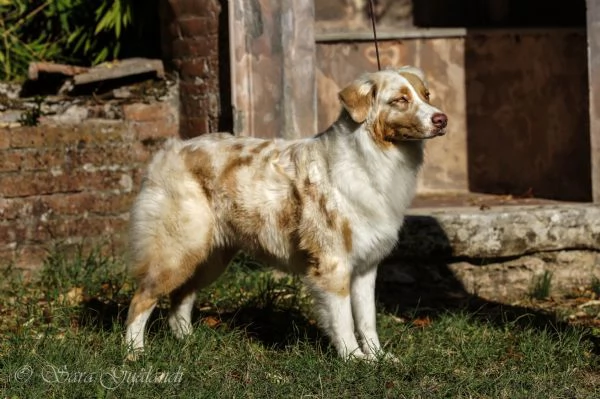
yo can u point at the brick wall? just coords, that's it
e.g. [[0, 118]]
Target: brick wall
[[70, 183], [195, 43]]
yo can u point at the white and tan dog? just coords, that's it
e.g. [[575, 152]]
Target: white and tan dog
[[327, 207]]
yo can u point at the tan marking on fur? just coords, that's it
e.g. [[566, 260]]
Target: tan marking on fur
[[405, 91], [408, 124], [290, 213], [257, 149], [323, 274], [356, 103], [169, 279], [330, 215], [347, 234], [227, 179], [205, 273], [270, 156], [245, 222], [310, 244], [235, 162], [237, 147], [199, 163], [386, 130], [140, 303], [310, 189], [381, 131], [417, 84]]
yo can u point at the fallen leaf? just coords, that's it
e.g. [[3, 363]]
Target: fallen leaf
[[422, 322], [211, 321], [73, 297]]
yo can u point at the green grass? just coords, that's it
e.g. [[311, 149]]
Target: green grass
[[541, 285], [255, 337]]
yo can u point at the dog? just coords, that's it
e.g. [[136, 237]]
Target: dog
[[327, 207]]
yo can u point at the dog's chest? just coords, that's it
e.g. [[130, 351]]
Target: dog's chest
[[376, 217], [376, 211]]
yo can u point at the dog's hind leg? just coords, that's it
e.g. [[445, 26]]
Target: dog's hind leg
[[157, 278], [142, 305], [182, 299]]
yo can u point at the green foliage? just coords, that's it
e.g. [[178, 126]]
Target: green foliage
[[31, 117], [65, 31], [541, 286], [596, 286]]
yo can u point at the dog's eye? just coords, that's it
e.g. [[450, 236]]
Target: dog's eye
[[399, 100], [426, 95]]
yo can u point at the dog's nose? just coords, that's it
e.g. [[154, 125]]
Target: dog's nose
[[439, 120]]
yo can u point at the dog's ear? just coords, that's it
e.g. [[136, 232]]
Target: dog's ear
[[357, 99]]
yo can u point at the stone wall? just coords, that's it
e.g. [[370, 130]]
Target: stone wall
[[73, 181]]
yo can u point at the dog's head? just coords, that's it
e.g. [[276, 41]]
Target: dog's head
[[394, 105]]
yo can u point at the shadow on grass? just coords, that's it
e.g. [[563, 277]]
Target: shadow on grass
[[431, 290], [273, 325]]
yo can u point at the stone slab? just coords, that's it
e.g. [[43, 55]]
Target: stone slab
[[498, 232], [503, 281]]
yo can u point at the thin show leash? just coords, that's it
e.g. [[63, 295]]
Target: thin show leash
[[375, 34]]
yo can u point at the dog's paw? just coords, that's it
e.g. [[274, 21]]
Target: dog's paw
[[387, 357], [134, 356], [373, 357], [357, 355], [377, 357]]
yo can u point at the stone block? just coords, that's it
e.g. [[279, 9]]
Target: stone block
[[499, 232]]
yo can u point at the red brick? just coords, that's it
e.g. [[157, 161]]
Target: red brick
[[147, 112], [13, 232], [26, 137], [30, 258], [10, 161], [194, 68], [196, 89], [195, 107], [181, 8], [137, 175], [193, 26], [7, 257], [103, 204], [62, 228], [41, 183], [192, 127], [193, 48], [12, 208], [156, 130], [4, 138], [85, 134], [142, 152], [67, 158]]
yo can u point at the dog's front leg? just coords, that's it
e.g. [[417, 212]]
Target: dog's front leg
[[330, 285], [362, 293]]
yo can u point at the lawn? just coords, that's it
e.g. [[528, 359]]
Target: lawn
[[61, 336]]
